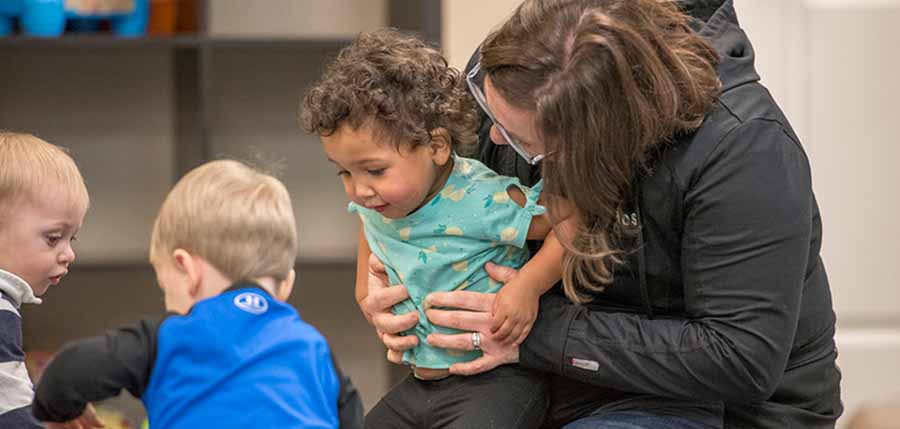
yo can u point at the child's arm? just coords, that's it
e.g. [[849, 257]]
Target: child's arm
[[516, 305], [88, 419], [541, 225], [16, 392], [362, 272], [93, 369]]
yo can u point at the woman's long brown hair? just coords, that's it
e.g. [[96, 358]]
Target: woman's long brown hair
[[610, 81]]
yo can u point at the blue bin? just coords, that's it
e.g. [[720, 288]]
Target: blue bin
[[47, 18], [9, 9], [43, 18]]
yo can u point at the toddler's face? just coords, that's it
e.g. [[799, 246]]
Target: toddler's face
[[378, 176], [36, 238]]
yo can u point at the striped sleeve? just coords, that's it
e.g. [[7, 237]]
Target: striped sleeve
[[16, 391]]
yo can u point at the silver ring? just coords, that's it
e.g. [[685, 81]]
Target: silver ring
[[476, 340]]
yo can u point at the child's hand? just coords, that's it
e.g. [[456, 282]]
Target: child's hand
[[515, 309], [87, 420]]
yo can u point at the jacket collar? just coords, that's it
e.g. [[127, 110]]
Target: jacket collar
[[717, 21], [701, 10], [17, 289]]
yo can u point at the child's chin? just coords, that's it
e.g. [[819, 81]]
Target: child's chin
[[393, 214]]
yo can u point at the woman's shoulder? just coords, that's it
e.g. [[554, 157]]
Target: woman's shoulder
[[742, 122]]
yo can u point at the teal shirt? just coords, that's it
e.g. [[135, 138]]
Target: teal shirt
[[444, 245]]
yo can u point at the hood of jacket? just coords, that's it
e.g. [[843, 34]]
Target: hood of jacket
[[717, 21]]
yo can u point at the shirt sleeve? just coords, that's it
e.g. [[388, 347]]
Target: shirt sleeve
[[96, 368], [745, 247], [504, 221], [16, 391]]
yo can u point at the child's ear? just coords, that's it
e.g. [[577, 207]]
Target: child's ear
[[283, 289], [188, 267], [441, 146]]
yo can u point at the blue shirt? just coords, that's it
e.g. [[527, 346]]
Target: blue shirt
[[236, 360], [241, 359]]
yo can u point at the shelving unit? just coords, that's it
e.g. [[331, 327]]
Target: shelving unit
[[138, 113], [185, 99]]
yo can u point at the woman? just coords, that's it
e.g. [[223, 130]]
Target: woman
[[696, 266]]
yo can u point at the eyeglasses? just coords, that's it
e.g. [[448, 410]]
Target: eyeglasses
[[482, 102]]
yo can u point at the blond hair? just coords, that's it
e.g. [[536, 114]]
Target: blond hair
[[238, 219], [29, 167]]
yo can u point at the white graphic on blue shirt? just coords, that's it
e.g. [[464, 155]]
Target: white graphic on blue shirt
[[251, 302]]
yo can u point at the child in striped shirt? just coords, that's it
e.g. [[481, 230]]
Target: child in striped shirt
[[43, 201]]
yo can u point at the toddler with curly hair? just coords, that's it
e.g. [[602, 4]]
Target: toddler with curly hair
[[394, 119]]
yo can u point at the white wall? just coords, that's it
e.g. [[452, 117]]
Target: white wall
[[124, 148], [833, 67], [290, 18], [467, 22]]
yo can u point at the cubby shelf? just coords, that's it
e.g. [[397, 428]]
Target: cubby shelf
[[100, 41]]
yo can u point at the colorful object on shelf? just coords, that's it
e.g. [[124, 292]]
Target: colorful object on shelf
[[163, 17], [48, 18], [168, 17], [188, 16]]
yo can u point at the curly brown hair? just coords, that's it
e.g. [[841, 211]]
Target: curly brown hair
[[396, 82]]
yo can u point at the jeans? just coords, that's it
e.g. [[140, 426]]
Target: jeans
[[506, 397], [637, 420], [578, 405]]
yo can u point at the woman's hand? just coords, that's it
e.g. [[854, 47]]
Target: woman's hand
[[473, 315], [377, 308], [87, 420]]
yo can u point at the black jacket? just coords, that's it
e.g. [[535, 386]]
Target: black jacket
[[736, 307]]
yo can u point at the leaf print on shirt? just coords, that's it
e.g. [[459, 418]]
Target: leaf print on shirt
[[448, 230], [404, 233], [511, 252], [509, 234], [501, 197], [423, 254], [461, 266], [463, 167], [453, 194]]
